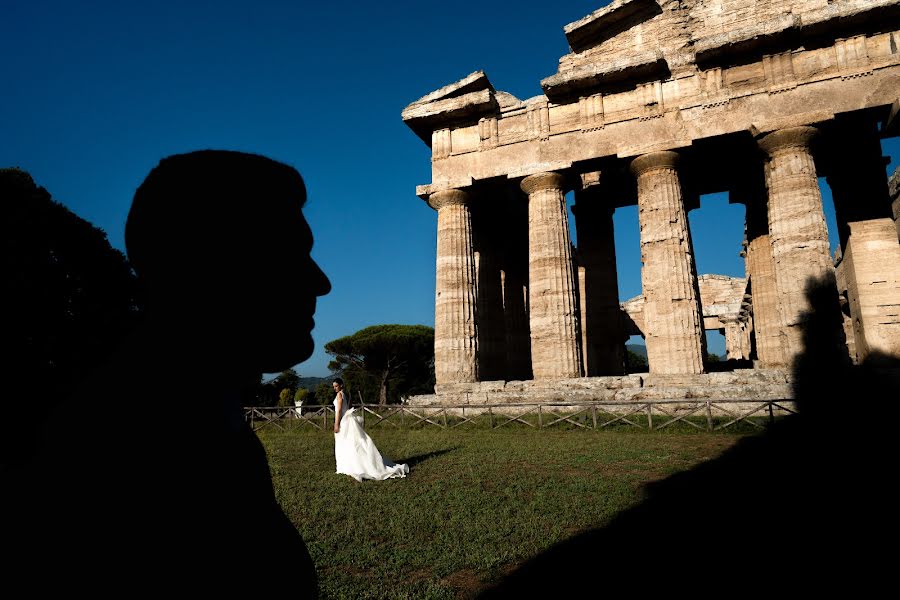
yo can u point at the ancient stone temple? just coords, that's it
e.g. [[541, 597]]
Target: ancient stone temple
[[659, 102]]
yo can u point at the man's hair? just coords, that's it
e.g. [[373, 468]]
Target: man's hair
[[208, 209]]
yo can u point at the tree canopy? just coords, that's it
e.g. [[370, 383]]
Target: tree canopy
[[69, 295], [389, 361]]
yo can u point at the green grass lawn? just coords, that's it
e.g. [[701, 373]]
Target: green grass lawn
[[476, 503]]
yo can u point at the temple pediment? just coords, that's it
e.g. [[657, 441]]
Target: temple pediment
[[469, 98], [597, 76], [606, 22]]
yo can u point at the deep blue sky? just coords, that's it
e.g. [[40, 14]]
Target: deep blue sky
[[95, 93]]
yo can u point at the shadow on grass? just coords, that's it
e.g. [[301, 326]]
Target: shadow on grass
[[801, 507], [413, 461]]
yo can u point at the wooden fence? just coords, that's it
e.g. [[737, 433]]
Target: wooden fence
[[713, 415]]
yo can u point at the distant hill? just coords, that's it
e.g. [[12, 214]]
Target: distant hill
[[639, 349], [310, 383]]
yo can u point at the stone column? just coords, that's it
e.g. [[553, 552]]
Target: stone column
[[672, 319], [604, 339], [761, 271], [871, 254], [551, 280], [455, 337], [734, 338], [797, 231], [746, 343]]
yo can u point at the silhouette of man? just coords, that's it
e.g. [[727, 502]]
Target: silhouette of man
[[149, 474]]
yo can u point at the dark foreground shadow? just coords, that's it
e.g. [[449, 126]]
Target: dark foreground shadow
[[147, 478], [803, 507]]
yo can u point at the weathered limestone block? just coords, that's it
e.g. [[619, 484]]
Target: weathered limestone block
[[604, 339], [455, 338], [872, 268], [741, 387], [555, 352], [672, 318], [721, 295], [797, 230]]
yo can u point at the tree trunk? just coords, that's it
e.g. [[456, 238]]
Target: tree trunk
[[382, 394]]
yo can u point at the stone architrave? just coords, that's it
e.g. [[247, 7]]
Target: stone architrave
[[603, 336], [455, 336], [797, 230], [555, 352], [761, 271], [673, 323]]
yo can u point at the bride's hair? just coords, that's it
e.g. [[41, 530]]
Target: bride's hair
[[347, 397]]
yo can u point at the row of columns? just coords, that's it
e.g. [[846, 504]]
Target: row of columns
[[787, 248]]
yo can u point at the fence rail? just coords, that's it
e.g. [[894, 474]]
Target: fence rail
[[714, 415]]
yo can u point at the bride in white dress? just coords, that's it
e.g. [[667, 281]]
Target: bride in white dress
[[355, 453]]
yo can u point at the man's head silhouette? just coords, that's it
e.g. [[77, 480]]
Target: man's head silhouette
[[222, 249]]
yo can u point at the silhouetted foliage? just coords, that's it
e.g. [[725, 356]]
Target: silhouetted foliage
[[302, 395], [285, 397], [635, 363], [324, 393], [386, 361], [288, 379], [70, 297]]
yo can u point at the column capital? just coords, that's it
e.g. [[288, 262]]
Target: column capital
[[793, 137], [451, 197], [544, 181], [654, 160]]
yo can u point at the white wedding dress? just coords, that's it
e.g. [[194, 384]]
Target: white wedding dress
[[355, 453]]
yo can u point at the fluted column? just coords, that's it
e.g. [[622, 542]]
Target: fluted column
[[761, 271], [672, 320], [734, 341], [551, 280], [455, 337], [797, 230], [602, 332]]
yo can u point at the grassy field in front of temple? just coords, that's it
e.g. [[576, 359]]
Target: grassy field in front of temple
[[476, 503]]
